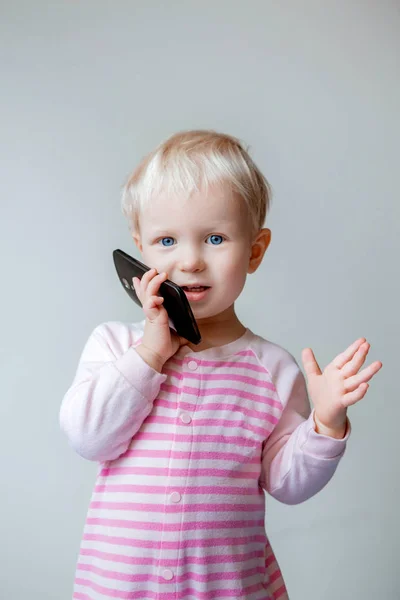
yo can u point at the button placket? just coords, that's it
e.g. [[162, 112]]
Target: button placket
[[185, 416], [174, 497]]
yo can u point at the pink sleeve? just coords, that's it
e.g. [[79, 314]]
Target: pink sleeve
[[297, 462], [111, 395]]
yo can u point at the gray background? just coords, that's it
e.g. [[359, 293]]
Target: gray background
[[87, 89]]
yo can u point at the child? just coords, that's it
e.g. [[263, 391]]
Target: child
[[189, 437]]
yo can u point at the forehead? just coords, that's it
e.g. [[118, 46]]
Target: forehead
[[217, 205]]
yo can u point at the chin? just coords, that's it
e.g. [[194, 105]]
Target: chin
[[207, 313], [202, 313]]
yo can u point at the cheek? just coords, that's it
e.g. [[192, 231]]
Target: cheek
[[238, 263], [153, 259], [236, 272]]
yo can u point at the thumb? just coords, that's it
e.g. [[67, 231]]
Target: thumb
[[311, 366]]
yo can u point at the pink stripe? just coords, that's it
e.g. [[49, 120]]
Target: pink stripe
[[279, 593], [270, 560], [222, 391], [80, 596], [161, 489], [236, 575], [174, 508], [234, 364], [161, 420], [275, 575], [180, 454], [116, 576], [209, 439], [214, 594], [172, 472], [220, 406], [186, 544], [221, 377], [188, 526], [207, 406], [170, 562], [209, 595], [109, 593]]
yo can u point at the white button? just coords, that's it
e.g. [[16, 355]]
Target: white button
[[167, 574], [175, 497], [185, 418], [192, 364]]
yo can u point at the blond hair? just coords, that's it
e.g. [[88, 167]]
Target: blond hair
[[192, 160]]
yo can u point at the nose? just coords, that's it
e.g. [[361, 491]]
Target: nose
[[191, 261]]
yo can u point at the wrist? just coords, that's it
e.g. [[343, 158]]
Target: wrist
[[336, 431], [151, 358]]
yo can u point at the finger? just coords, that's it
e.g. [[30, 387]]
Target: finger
[[150, 273], [365, 375], [155, 301], [356, 395], [342, 358], [354, 365], [146, 277], [145, 282], [154, 284], [151, 308], [311, 366], [142, 284]]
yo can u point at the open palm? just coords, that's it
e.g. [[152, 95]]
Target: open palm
[[340, 385]]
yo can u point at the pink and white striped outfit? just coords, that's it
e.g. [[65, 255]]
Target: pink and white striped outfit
[[178, 508]]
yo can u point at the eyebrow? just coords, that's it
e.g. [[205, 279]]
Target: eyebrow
[[209, 227]]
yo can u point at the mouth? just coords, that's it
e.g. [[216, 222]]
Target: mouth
[[197, 292]]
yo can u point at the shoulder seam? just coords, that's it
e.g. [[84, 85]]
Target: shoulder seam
[[269, 374]]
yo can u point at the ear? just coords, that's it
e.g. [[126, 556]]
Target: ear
[[137, 240], [258, 249]]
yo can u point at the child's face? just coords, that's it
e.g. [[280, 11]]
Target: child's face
[[204, 240]]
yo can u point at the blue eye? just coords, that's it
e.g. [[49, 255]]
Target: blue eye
[[169, 241], [216, 240]]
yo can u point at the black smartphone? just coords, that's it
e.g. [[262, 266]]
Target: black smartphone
[[175, 302]]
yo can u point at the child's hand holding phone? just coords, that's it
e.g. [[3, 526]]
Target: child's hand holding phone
[[159, 342]]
